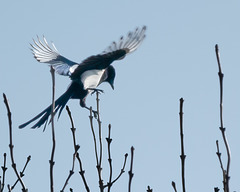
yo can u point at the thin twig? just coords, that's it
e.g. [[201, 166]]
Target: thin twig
[[109, 140], [71, 172], [4, 169], [121, 172], [182, 156], [53, 131], [174, 186], [149, 189], [24, 189], [99, 165], [82, 172], [222, 129], [219, 158], [22, 172], [9, 188], [93, 133], [130, 171], [75, 155], [216, 189]]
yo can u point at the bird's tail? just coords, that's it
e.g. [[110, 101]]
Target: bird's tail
[[59, 105]]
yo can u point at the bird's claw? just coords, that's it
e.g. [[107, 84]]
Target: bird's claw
[[94, 90]]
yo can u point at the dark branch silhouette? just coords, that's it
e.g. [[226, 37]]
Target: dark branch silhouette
[[53, 131], [174, 186], [149, 189], [22, 172], [182, 156], [109, 140], [4, 169], [130, 172], [226, 176], [14, 166], [75, 156]]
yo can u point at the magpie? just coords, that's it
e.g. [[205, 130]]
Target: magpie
[[85, 76]]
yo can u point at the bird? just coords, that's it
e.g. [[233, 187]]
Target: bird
[[85, 76]]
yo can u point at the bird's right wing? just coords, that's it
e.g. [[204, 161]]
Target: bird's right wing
[[129, 43], [45, 53]]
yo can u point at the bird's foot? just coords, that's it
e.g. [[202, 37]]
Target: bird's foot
[[94, 90]]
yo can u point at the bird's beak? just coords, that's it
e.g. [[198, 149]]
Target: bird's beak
[[112, 86]]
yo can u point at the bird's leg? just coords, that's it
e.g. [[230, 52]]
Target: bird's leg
[[95, 113], [95, 90]]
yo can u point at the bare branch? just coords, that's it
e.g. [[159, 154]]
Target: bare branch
[[4, 168], [24, 189], [219, 158], [149, 189], [22, 172], [75, 155], [182, 156], [99, 165], [109, 140], [53, 131], [82, 172], [226, 176], [174, 186], [121, 172], [130, 171]]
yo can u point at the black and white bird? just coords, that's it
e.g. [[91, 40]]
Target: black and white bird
[[85, 76]]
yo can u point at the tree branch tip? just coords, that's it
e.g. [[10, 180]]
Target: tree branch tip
[[149, 189], [4, 97], [126, 154]]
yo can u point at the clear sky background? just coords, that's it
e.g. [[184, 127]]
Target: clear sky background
[[177, 59]]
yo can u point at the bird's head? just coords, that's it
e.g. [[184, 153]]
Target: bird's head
[[110, 76]]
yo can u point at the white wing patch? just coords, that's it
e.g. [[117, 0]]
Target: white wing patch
[[91, 78]]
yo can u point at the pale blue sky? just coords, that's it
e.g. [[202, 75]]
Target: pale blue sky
[[177, 59]]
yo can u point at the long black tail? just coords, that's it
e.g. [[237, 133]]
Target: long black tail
[[59, 104]]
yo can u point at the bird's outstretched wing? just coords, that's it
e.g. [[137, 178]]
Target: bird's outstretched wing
[[129, 43], [115, 51], [45, 53]]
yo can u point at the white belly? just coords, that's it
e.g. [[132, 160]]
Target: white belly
[[91, 78]]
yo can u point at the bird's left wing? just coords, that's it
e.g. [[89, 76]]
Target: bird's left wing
[[45, 53]]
